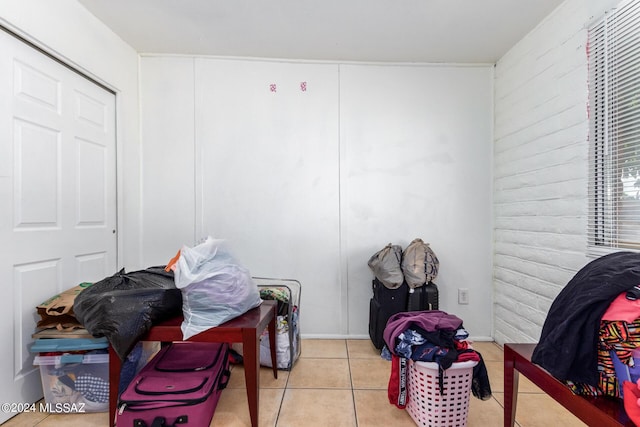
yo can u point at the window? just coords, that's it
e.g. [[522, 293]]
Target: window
[[614, 134]]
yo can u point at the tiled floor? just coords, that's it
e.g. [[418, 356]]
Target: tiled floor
[[343, 383]]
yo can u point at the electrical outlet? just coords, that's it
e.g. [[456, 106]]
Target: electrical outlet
[[463, 296]]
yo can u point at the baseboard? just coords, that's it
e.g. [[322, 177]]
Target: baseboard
[[366, 337]]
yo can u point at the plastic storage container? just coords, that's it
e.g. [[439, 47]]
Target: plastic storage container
[[427, 406], [288, 344], [65, 345], [74, 374]]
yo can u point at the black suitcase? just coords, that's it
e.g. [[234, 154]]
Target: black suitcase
[[384, 304], [424, 297]]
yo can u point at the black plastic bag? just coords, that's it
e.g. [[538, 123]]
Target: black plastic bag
[[123, 307]]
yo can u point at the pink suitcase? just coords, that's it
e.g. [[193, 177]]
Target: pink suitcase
[[179, 387]]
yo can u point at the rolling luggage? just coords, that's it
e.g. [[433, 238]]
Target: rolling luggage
[[423, 297], [180, 386], [385, 303], [389, 290], [403, 282]]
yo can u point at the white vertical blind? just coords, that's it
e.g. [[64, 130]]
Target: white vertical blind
[[614, 120]]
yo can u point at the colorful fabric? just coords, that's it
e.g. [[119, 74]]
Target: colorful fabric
[[568, 344], [632, 401], [278, 294], [622, 309], [429, 352], [282, 326], [430, 320], [621, 337], [406, 341]]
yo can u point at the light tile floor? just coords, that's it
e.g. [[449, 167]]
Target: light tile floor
[[343, 383]]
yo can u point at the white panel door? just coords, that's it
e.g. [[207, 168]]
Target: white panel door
[[57, 197]]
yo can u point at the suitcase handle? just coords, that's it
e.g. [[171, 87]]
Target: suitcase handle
[[138, 389], [162, 422]]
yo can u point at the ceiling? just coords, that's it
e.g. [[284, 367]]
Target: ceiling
[[449, 31]]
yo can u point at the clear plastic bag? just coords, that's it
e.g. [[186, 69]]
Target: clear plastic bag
[[215, 287]]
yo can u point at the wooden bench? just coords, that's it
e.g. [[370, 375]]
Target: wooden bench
[[594, 411], [246, 329]]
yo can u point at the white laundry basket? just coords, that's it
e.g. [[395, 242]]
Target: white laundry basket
[[427, 406]]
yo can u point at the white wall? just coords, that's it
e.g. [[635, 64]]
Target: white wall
[[168, 147], [269, 174], [66, 30], [155, 218], [416, 162], [540, 169], [539, 160], [309, 184]]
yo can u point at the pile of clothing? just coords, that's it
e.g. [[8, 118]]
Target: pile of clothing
[[84, 387], [585, 323], [592, 326], [429, 336], [618, 340]]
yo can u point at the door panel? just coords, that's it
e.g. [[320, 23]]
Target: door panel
[[36, 183], [57, 197], [30, 280]]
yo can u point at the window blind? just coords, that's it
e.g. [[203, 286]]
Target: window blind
[[614, 130]]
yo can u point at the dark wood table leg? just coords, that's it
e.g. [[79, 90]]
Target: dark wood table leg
[[271, 327], [114, 379], [511, 377], [251, 357]]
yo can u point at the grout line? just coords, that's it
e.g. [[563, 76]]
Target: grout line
[[284, 391], [353, 396]]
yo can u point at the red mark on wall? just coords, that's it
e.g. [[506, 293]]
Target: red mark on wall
[[303, 86], [272, 87]]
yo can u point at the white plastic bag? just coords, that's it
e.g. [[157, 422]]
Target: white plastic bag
[[215, 288]]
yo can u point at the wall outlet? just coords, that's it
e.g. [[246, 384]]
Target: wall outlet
[[463, 296]]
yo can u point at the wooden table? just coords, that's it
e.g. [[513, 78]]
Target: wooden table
[[594, 411], [246, 329]]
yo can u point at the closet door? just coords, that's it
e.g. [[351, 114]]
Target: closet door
[[57, 197]]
